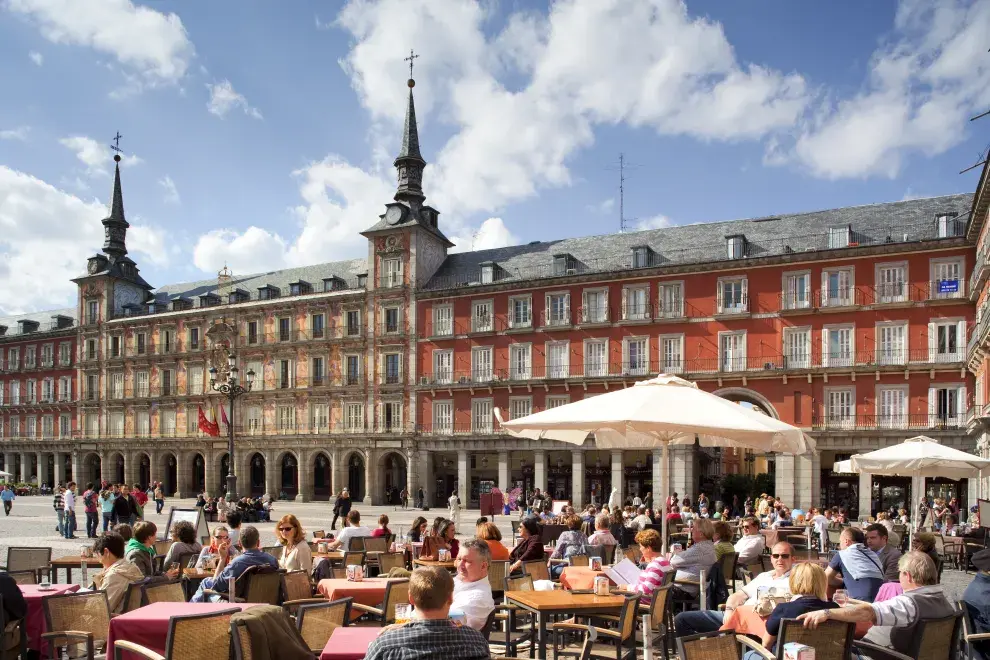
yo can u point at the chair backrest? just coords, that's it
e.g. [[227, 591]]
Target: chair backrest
[[357, 543], [28, 559], [659, 603], [608, 553], [516, 524], [935, 638], [199, 635], [389, 560], [720, 645], [375, 544], [728, 562], [396, 592], [627, 616], [538, 569], [809, 554], [497, 570], [273, 550], [317, 621], [319, 534], [87, 611], [550, 533], [939, 544], [161, 547], [633, 553], [296, 585], [241, 640], [519, 583], [354, 558], [263, 586], [747, 575], [766, 563], [338, 573], [486, 630], [134, 598], [580, 560], [833, 536], [183, 560], [832, 640], [24, 577], [170, 591]]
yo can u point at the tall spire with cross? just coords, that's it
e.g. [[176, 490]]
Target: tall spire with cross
[[409, 163], [115, 225]]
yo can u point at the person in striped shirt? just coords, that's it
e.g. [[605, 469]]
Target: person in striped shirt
[[651, 578]]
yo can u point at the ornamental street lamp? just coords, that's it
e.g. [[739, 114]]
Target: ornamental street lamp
[[229, 387]]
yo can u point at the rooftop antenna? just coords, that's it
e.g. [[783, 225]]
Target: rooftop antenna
[[981, 160], [623, 220]]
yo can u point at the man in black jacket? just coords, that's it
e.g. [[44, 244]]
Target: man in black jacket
[[14, 606], [125, 506], [341, 507]]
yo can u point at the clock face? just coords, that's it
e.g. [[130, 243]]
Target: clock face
[[393, 215]]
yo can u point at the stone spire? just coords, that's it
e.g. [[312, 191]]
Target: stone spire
[[115, 225], [409, 163]]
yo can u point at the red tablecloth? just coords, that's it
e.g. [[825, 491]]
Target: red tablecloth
[[370, 591], [745, 621], [35, 624], [350, 643], [148, 625], [887, 591]]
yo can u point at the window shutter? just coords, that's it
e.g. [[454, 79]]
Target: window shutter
[[825, 355], [718, 297], [961, 403], [961, 339], [745, 293], [625, 356], [567, 307], [932, 338], [932, 404]]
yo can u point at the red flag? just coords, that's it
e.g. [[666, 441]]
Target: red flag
[[206, 426], [223, 417]]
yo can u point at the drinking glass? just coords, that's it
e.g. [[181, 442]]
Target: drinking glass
[[841, 597], [403, 612]]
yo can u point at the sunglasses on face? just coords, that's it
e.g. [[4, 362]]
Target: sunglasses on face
[[780, 556], [223, 537], [287, 529]]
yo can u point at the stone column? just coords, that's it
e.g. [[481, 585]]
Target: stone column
[[76, 466], [659, 497], [9, 466], [682, 472], [370, 480], [60, 467], [463, 477], [271, 484], [816, 479], [413, 468], [540, 470], [336, 474], [865, 493], [503, 472], [784, 486], [25, 466], [429, 481], [130, 468], [577, 478], [43, 469], [211, 468], [154, 458], [104, 468], [617, 475], [304, 475]]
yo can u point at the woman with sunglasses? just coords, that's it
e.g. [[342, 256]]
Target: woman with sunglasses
[[221, 537], [296, 553]]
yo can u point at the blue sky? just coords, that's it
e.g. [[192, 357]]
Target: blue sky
[[262, 134]]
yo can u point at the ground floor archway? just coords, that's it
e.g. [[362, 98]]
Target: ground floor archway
[[355, 476], [288, 477], [392, 473], [117, 468], [257, 476], [322, 477]]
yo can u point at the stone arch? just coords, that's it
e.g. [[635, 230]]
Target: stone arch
[[142, 474], [287, 468], [115, 467], [393, 470], [322, 475], [197, 472], [354, 472], [253, 483], [746, 395], [90, 468]]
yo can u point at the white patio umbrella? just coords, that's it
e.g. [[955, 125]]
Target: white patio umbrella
[[660, 412], [919, 456]]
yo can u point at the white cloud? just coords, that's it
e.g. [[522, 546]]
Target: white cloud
[[604, 207], [37, 57], [924, 83], [95, 155], [40, 224], [149, 44], [223, 99], [19, 133], [655, 222], [491, 234], [254, 250], [171, 192]]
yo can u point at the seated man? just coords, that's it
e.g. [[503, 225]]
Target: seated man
[[472, 591], [782, 558], [251, 556], [117, 572], [895, 620], [641, 520], [977, 600], [751, 544], [855, 568], [699, 557], [876, 540], [352, 529], [430, 634]]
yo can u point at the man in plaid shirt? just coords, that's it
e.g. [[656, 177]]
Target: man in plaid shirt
[[431, 633]]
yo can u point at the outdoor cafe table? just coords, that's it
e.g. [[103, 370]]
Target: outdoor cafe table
[[745, 621], [350, 643], [449, 565], [332, 556], [148, 625], [34, 622], [72, 561], [579, 577], [369, 591], [544, 603]]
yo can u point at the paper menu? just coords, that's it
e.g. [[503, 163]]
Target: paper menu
[[625, 572]]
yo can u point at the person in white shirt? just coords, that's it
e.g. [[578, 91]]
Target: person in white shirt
[[472, 591], [641, 520], [69, 528], [821, 522], [352, 530], [751, 545]]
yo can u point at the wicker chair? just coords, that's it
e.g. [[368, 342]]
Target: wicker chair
[[258, 584], [389, 560], [24, 577], [579, 560], [357, 543], [169, 591], [13, 640], [633, 554], [240, 640], [538, 569], [661, 618], [298, 591], [832, 640], [317, 621], [38, 560], [189, 636], [623, 636], [161, 547], [396, 591], [967, 638], [319, 534], [729, 561], [721, 645], [77, 619], [608, 553], [353, 558], [934, 639], [513, 637], [497, 570], [273, 550], [133, 598]]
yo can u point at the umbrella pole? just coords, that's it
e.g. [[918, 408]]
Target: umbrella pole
[[665, 485], [914, 512]]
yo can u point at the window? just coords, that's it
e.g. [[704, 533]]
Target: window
[[797, 348], [837, 287], [166, 423], [797, 291], [635, 356], [141, 383], [557, 401], [31, 391], [90, 349], [520, 312], [838, 237], [284, 329], [391, 416], [195, 375], [946, 340], [92, 311], [840, 408], [391, 320], [48, 390], [558, 312], [317, 325], [520, 361], [891, 284], [353, 372], [891, 343], [735, 247], [168, 380], [142, 423], [392, 273], [732, 295], [481, 364], [117, 385], [317, 371], [354, 416], [946, 406], [65, 354], [671, 353], [31, 427], [443, 320], [116, 424], [168, 341], [481, 416], [140, 343], [671, 300], [393, 368], [732, 350], [192, 422], [443, 367], [947, 280], [47, 355], [837, 346], [64, 426], [481, 316], [596, 358], [283, 373], [29, 357], [487, 273], [353, 323], [595, 307], [636, 306], [252, 332], [92, 388], [443, 417], [285, 418], [641, 257], [520, 406], [193, 339], [14, 359], [254, 419], [892, 407], [64, 389], [558, 359], [15, 425], [946, 226], [562, 263]]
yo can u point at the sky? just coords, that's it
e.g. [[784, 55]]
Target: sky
[[261, 135]]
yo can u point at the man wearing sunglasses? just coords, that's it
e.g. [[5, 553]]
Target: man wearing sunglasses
[[782, 558]]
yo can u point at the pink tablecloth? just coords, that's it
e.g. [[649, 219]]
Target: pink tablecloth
[[148, 625], [887, 591], [35, 624], [350, 643]]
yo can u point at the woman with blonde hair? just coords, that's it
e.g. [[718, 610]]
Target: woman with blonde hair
[[296, 553], [808, 586]]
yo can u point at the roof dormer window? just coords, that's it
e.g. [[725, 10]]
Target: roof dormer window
[[209, 300], [563, 264], [268, 292], [181, 304], [838, 237], [735, 246], [946, 225], [362, 280], [333, 283], [642, 256], [487, 272], [238, 296]]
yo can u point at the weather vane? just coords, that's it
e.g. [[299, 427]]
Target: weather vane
[[116, 142], [412, 56]]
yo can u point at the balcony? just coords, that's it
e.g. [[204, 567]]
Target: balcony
[[981, 272], [559, 318], [736, 306], [670, 310], [594, 314], [921, 421], [838, 298], [253, 428], [460, 428], [944, 290], [637, 312]]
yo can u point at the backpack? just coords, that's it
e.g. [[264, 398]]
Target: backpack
[[88, 499]]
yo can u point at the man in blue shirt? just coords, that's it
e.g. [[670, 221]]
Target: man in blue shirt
[[855, 568], [252, 556], [977, 599], [8, 499]]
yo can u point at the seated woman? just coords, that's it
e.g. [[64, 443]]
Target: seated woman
[[140, 550], [417, 531], [602, 535], [530, 547], [296, 553], [723, 539], [382, 529], [651, 546], [442, 538], [184, 543], [925, 542], [615, 524], [211, 552], [570, 542], [490, 534], [808, 586]]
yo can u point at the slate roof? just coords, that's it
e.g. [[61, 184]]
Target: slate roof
[[44, 318], [893, 222]]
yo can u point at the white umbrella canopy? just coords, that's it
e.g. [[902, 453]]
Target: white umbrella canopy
[[660, 412]]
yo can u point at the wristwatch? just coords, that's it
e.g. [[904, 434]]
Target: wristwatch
[[827, 614]]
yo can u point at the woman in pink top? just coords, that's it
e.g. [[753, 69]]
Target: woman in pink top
[[651, 545], [382, 529]]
